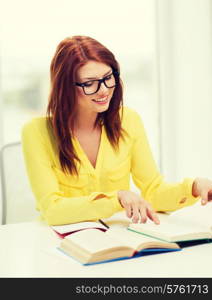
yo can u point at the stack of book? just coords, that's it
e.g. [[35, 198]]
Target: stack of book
[[118, 238]]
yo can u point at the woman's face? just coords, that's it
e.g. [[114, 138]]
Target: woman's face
[[100, 101]]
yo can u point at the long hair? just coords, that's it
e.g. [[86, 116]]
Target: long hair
[[71, 54]]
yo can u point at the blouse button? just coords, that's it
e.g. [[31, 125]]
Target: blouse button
[[183, 200]]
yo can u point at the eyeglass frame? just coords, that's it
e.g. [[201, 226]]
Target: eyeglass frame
[[100, 81]]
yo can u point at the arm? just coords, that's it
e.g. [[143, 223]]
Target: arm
[[162, 196], [54, 205]]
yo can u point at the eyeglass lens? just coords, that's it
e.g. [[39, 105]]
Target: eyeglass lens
[[92, 87]]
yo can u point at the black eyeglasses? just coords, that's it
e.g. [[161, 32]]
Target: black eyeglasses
[[92, 86]]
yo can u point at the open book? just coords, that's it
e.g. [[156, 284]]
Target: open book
[[64, 230], [94, 246], [190, 224]]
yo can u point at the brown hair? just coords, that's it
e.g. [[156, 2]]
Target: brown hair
[[71, 54]]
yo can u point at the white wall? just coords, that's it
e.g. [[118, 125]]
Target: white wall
[[185, 64], [127, 28]]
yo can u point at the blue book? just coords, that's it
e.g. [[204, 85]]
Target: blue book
[[94, 246]]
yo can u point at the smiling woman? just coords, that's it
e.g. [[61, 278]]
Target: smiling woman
[[77, 109], [80, 156]]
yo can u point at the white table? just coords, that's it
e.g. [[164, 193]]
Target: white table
[[28, 250]]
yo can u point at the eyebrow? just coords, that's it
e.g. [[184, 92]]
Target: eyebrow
[[96, 77]]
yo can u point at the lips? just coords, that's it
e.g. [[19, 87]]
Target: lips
[[100, 100]]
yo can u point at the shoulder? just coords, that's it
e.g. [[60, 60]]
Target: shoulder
[[36, 126], [37, 134], [131, 119], [37, 121]]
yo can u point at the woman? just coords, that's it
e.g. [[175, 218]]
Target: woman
[[79, 158]]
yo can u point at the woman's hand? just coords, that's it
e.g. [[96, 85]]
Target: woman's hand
[[202, 187], [136, 207]]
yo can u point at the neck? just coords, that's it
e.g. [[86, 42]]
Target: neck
[[85, 122]]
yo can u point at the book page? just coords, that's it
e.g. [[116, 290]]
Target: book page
[[118, 220], [201, 214], [77, 226], [130, 238], [173, 228], [93, 240]]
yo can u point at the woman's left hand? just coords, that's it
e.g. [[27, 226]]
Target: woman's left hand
[[202, 187]]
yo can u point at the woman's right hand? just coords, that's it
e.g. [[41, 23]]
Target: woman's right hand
[[136, 207]]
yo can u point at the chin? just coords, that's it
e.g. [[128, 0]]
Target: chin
[[102, 109]]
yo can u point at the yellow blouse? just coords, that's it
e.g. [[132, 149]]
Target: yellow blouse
[[64, 199]]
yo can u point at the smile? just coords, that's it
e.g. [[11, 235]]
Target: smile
[[101, 101]]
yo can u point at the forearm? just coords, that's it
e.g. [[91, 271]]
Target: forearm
[[62, 210], [169, 197]]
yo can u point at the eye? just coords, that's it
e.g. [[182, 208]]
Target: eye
[[88, 83], [108, 77]]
